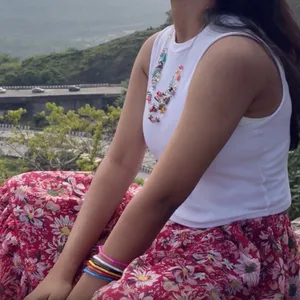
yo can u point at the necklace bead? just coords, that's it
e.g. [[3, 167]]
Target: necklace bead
[[162, 99], [157, 100]]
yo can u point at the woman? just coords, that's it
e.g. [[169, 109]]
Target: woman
[[210, 222]]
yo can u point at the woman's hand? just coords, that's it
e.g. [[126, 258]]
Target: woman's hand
[[53, 287], [86, 287]]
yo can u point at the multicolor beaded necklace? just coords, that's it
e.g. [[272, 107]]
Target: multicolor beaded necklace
[[162, 99]]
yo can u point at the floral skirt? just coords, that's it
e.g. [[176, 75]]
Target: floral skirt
[[252, 259]]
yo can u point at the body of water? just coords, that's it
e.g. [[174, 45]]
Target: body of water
[[29, 27]]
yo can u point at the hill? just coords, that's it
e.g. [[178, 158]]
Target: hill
[[110, 62]]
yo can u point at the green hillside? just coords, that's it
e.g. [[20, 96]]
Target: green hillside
[[107, 63], [110, 62]]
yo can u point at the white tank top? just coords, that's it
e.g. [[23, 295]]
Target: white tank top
[[249, 177]]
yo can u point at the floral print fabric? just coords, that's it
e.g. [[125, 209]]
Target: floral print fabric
[[252, 259], [37, 212]]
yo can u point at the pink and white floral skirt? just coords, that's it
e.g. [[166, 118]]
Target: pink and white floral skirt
[[252, 259]]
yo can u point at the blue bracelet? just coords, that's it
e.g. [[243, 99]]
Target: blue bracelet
[[86, 270]]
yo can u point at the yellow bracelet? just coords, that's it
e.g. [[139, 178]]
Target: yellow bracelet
[[103, 270]]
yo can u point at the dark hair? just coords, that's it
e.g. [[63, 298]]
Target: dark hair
[[274, 23]]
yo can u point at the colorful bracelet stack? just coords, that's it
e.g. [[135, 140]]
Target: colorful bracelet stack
[[103, 267]]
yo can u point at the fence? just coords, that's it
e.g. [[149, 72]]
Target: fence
[[8, 127], [146, 169], [65, 86]]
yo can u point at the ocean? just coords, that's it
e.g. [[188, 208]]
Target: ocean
[[30, 27]]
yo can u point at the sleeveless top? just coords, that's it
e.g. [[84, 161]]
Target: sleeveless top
[[249, 177]]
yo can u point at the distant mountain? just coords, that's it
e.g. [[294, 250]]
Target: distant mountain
[[110, 62], [30, 27]]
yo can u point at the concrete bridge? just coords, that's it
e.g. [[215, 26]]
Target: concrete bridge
[[97, 95], [63, 86]]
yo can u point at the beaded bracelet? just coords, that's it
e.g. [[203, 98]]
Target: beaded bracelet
[[115, 262], [87, 271]]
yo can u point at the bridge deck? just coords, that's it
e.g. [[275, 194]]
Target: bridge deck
[[109, 90]]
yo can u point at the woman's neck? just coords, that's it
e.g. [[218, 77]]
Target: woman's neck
[[189, 17]]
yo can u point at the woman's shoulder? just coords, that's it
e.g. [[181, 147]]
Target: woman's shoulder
[[240, 48]]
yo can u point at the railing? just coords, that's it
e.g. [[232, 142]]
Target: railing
[[146, 169], [65, 86], [8, 127]]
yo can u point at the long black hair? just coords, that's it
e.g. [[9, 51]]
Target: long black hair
[[273, 22]]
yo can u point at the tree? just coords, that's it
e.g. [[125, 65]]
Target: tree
[[10, 78], [169, 20], [6, 58], [71, 140], [294, 175], [46, 77], [56, 147], [10, 167], [109, 62], [39, 120], [30, 77], [119, 102]]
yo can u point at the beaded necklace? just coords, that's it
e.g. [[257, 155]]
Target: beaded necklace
[[162, 99]]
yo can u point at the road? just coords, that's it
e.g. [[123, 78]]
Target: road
[[108, 90]]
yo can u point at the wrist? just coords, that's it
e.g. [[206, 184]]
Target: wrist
[[86, 287], [64, 270], [114, 263]]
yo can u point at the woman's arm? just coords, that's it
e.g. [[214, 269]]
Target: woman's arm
[[116, 172], [231, 75], [235, 74]]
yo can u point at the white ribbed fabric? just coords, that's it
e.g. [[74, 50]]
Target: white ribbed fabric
[[249, 177]]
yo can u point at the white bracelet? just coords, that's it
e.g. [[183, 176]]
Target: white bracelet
[[104, 263]]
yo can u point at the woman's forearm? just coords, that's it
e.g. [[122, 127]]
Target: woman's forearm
[[138, 226], [104, 195]]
